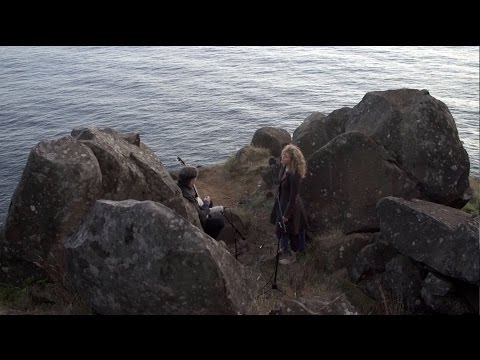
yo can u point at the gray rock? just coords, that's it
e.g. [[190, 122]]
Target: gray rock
[[402, 282], [133, 172], [131, 138], [271, 138], [132, 257], [311, 134], [439, 295], [59, 184], [344, 181], [249, 153], [397, 288], [422, 134], [62, 180], [336, 252], [444, 238], [318, 129], [370, 260]]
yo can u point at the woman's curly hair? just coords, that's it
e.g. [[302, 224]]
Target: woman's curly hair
[[298, 163]]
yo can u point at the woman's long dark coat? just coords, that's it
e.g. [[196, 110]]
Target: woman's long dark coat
[[290, 202]]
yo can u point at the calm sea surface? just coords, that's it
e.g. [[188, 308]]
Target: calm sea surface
[[204, 103]]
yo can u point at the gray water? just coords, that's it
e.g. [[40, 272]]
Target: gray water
[[204, 103]]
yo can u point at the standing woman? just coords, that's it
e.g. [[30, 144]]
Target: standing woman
[[291, 174]]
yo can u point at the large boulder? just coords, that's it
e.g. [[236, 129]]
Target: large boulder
[[249, 154], [421, 132], [249, 160], [444, 238], [441, 296], [132, 138], [271, 138], [370, 260], [401, 284], [346, 178], [60, 183], [62, 180], [318, 129], [396, 284], [132, 257], [339, 251], [311, 134], [131, 171]]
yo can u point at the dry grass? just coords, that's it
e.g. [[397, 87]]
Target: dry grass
[[248, 161], [393, 304], [305, 279], [39, 298]]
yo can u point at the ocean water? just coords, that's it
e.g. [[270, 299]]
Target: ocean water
[[205, 103]]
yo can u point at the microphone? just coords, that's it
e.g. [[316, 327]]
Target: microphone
[[272, 162]]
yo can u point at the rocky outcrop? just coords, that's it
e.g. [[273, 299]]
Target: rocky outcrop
[[370, 260], [336, 252], [345, 180], [440, 295], [318, 129], [271, 138], [249, 153], [132, 172], [424, 261], [132, 257], [62, 180], [311, 134], [422, 134], [389, 277], [59, 184], [441, 237], [132, 138], [248, 161], [401, 283]]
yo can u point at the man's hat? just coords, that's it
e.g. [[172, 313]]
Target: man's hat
[[187, 173]]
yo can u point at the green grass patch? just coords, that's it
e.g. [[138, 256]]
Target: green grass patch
[[247, 161], [473, 206], [231, 165], [17, 297]]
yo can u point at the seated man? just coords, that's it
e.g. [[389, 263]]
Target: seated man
[[210, 217]]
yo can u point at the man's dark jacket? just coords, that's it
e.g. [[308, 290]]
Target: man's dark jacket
[[189, 194]]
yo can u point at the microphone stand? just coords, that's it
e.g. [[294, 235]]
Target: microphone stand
[[284, 231], [236, 231]]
